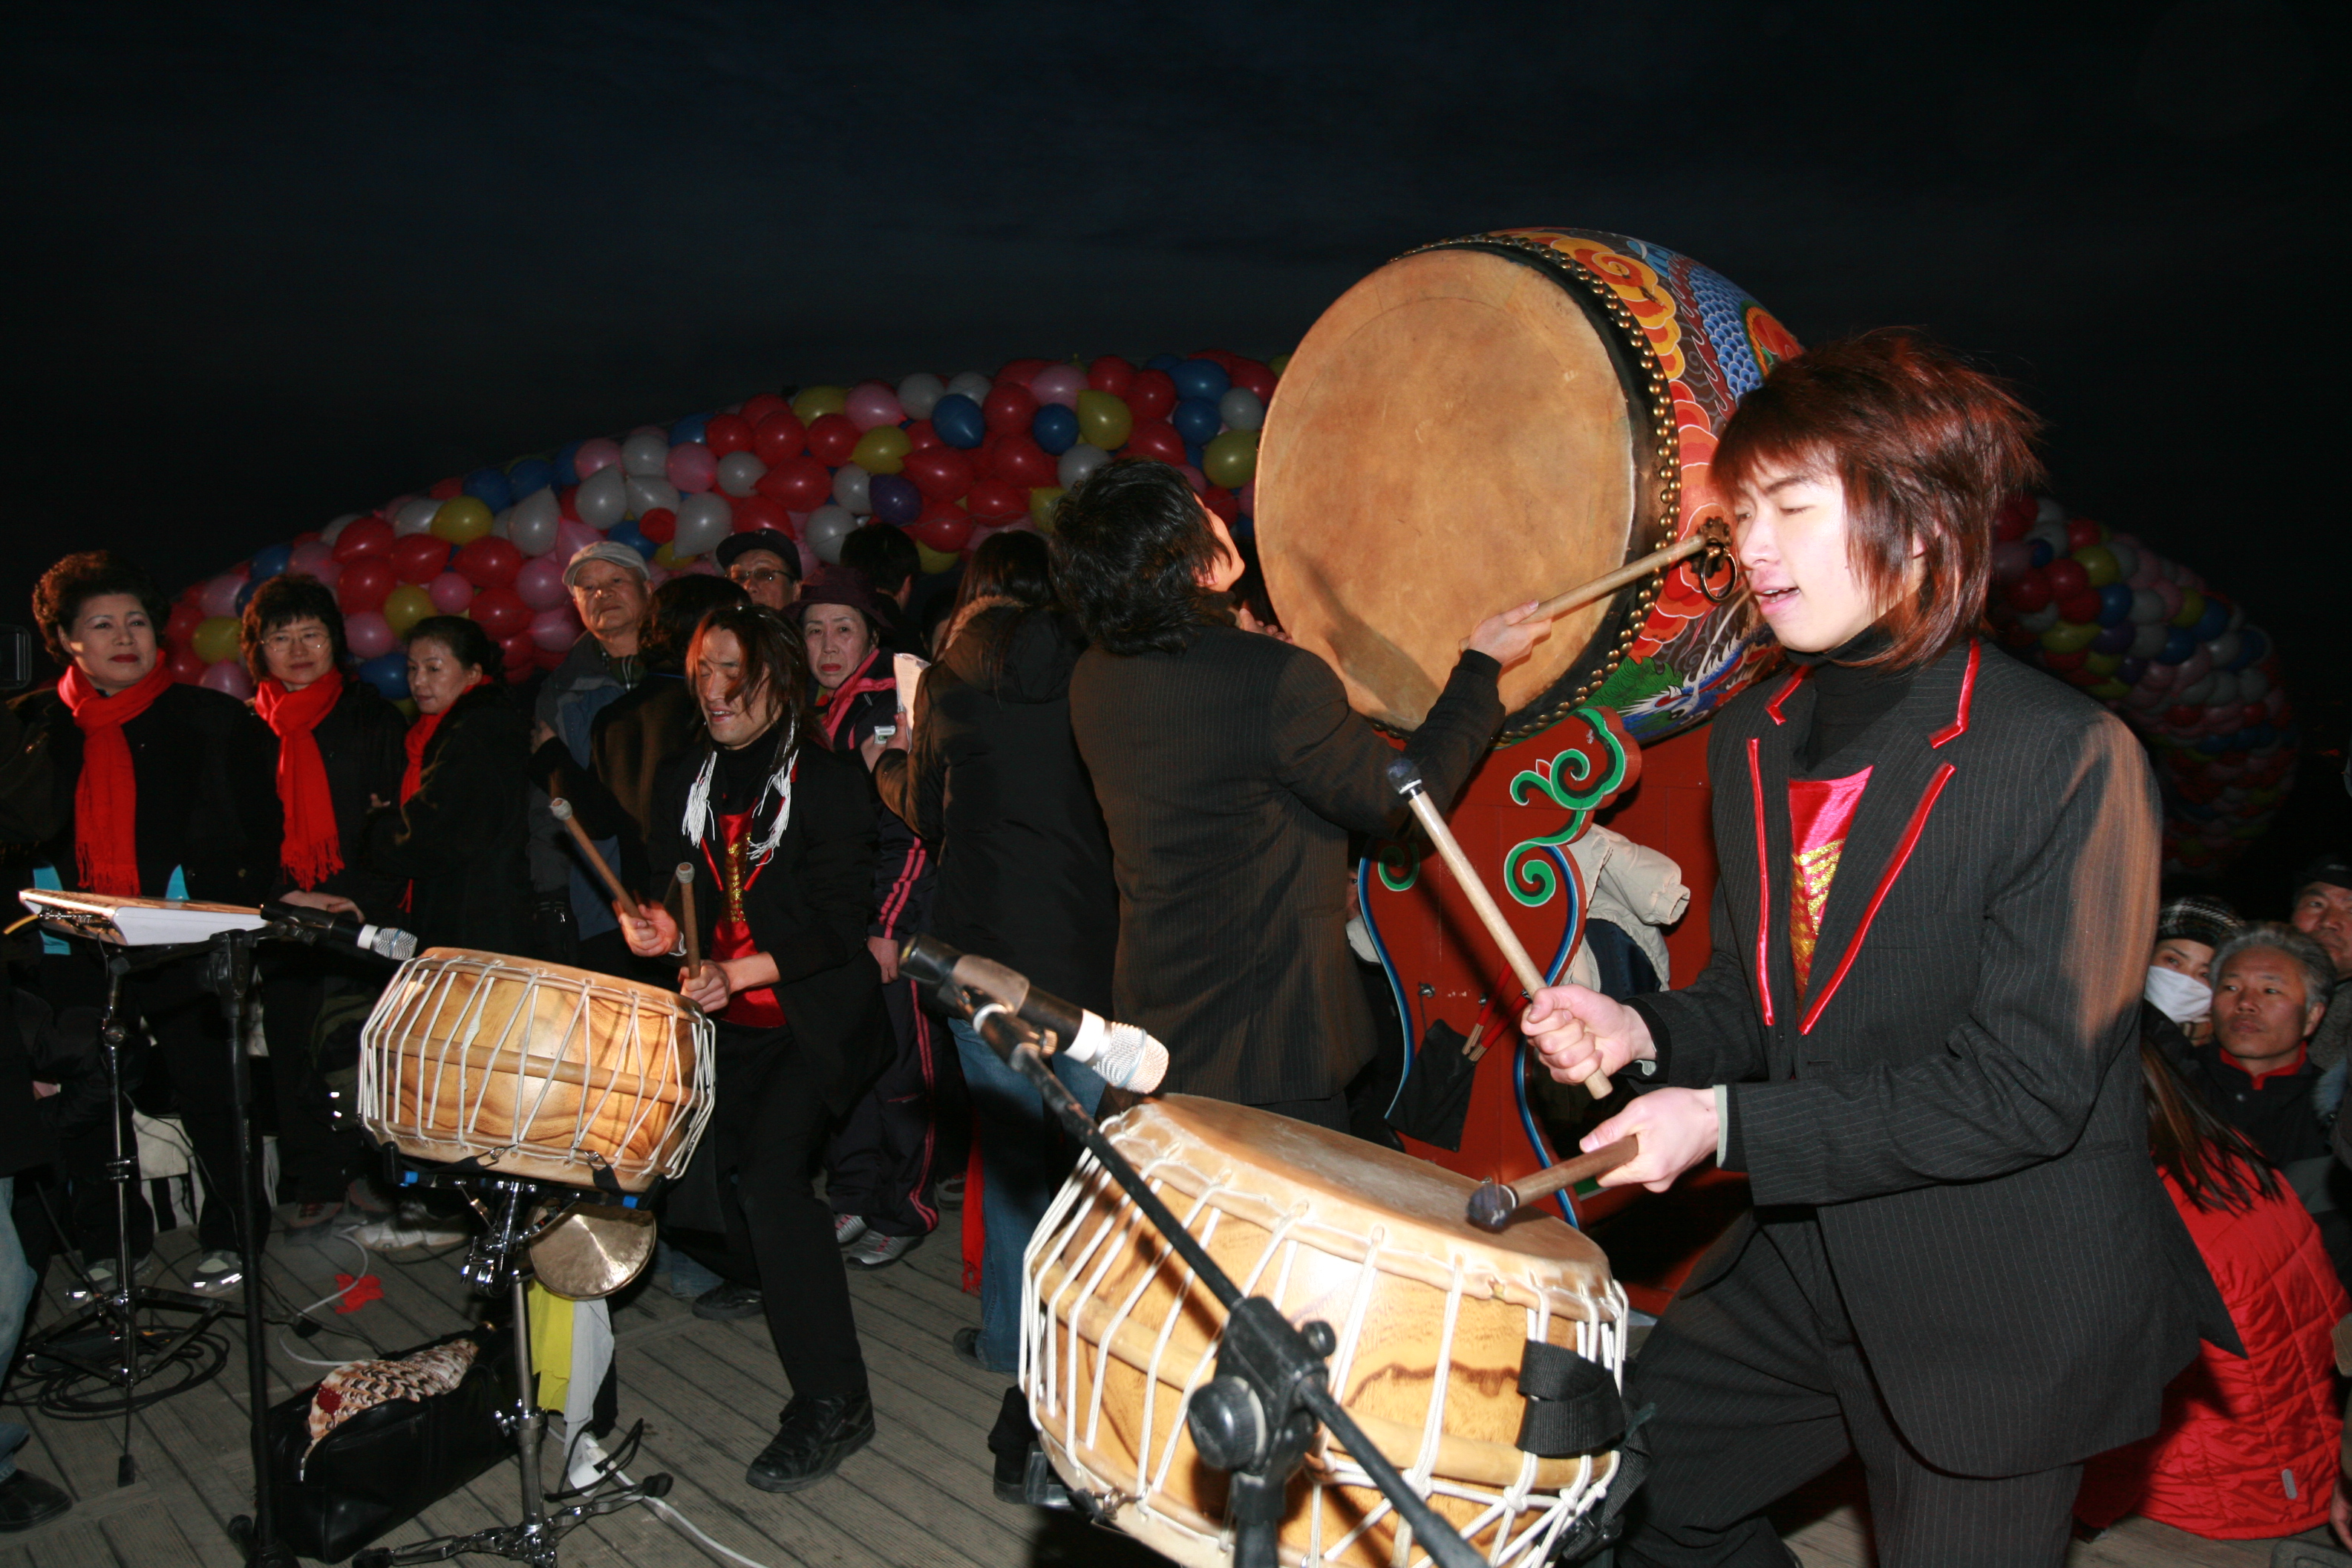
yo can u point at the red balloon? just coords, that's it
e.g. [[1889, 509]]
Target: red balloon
[[660, 525], [1018, 460], [1112, 374], [2082, 531], [1222, 501], [2082, 609], [2183, 716], [779, 437], [1150, 396], [2031, 591], [2016, 515], [996, 499], [567, 503], [447, 490], [921, 434], [1010, 408], [757, 410], [501, 612], [832, 438], [518, 653], [944, 526], [2065, 663], [2067, 578], [941, 473], [1154, 438], [185, 666], [363, 536], [418, 557], [1255, 377], [1022, 372], [727, 433], [365, 584], [753, 513], [488, 562], [799, 484], [185, 619]]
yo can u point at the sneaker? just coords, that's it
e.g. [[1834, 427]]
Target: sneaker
[[216, 1272], [97, 1278], [952, 1191], [876, 1250], [28, 1501], [847, 1228], [725, 1303], [313, 1222], [966, 1342], [361, 1195], [412, 1227], [814, 1437]]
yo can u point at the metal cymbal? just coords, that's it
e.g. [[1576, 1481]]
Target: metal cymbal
[[592, 1250]]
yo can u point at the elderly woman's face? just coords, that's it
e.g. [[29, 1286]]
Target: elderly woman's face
[[113, 642], [436, 676], [838, 640]]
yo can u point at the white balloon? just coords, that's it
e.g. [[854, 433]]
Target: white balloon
[[2224, 691], [2040, 620], [2253, 686], [602, 499], [1078, 462], [971, 384], [853, 488], [2148, 609], [740, 472], [2198, 692], [2047, 510], [646, 493], [2127, 557], [920, 393], [2051, 532], [2149, 638], [416, 517], [498, 524], [1242, 409], [2225, 648], [646, 453], [533, 521], [827, 527], [334, 530], [702, 521]]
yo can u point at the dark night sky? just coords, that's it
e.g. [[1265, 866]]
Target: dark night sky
[[270, 268]]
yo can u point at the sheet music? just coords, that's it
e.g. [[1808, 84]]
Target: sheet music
[[910, 671], [139, 923]]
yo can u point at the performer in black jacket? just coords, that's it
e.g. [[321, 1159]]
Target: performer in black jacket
[[162, 790], [1918, 1031], [781, 832], [1231, 772]]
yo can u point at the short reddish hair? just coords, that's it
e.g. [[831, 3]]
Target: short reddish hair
[[1928, 448]]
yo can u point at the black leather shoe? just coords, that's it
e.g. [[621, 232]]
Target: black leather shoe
[[725, 1303], [28, 1501], [816, 1435]]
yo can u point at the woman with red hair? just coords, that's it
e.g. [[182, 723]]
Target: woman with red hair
[[1918, 1030]]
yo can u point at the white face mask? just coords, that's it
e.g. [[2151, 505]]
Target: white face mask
[[2183, 998]]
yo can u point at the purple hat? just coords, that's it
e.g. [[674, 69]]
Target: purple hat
[[838, 585]]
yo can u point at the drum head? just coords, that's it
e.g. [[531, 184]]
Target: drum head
[[1463, 431]]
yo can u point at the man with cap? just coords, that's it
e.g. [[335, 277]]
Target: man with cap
[[764, 564], [609, 588], [2323, 912]]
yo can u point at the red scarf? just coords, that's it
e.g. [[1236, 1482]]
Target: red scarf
[[832, 706], [105, 796], [313, 848], [420, 735]]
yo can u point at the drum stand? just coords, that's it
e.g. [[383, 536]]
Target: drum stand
[[500, 1257]]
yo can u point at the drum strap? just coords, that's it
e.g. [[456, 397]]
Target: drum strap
[[1573, 1406]]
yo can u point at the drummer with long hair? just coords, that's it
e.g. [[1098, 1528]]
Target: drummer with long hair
[[781, 831]]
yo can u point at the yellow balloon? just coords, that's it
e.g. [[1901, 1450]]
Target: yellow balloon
[[882, 450], [405, 606], [815, 401], [462, 520], [1231, 459], [669, 560], [935, 560], [215, 638], [1104, 419], [1042, 503], [1277, 365], [2103, 663]]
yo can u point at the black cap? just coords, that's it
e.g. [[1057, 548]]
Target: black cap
[[2332, 869], [2196, 918], [735, 546]]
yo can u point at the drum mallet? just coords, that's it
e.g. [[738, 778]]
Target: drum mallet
[[1711, 535], [562, 810], [1492, 1205], [1404, 777], [688, 924]]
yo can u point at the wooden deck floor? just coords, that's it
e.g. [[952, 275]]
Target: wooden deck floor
[[917, 1497]]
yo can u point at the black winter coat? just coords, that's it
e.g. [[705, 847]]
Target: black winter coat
[[993, 777], [905, 872], [628, 744], [360, 740], [459, 840]]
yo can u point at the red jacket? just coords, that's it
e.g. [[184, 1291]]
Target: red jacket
[[2248, 1448]]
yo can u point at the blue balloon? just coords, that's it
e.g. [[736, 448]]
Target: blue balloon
[[2178, 645], [2131, 670], [528, 475], [1243, 527], [1202, 378], [959, 421], [2213, 623], [2042, 552], [625, 532], [2114, 640], [1163, 362], [244, 594], [2114, 604], [269, 562], [2251, 645], [1192, 452], [689, 428], [388, 673], [1055, 428], [488, 486], [895, 498], [1196, 420], [568, 473]]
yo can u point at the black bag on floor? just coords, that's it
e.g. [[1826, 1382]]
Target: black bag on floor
[[386, 1465]]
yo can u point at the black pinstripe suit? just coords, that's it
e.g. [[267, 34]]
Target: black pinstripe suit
[[1959, 1244]]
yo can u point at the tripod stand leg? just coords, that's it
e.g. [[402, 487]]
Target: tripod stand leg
[[530, 1421]]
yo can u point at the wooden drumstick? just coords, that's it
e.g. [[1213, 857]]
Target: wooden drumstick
[[1492, 1205], [1405, 779], [1707, 533], [562, 810], [691, 927]]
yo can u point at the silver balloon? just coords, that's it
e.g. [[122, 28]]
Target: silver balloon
[[2149, 638], [2198, 692], [740, 472], [2224, 649], [920, 393], [646, 453], [646, 493], [531, 525], [2146, 609], [2048, 511], [1078, 462], [827, 527], [971, 384], [2252, 684], [602, 498], [416, 517], [853, 488], [2126, 559], [499, 521], [702, 521], [1242, 409], [334, 530]]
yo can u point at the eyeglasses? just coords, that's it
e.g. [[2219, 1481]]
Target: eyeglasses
[[762, 575], [287, 642]]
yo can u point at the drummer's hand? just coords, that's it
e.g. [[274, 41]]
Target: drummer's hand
[[334, 902], [1575, 1030], [1677, 1128], [650, 930], [706, 987], [886, 957], [1506, 636]]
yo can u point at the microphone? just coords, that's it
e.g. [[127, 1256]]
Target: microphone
[[1125, 1055], [342, 930]]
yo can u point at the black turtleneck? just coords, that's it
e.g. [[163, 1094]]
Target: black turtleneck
[[1848, 699], [742, 774]]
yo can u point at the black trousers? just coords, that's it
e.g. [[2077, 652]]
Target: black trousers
[[771, 1126], [1760, 1386], [315, 1161], [884, 1164]]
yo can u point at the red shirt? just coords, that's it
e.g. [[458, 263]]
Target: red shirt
[[731, 937], [1820, 812]]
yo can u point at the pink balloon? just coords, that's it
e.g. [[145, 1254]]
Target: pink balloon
[[329, 573], [540, 584], [569, 538], [369, 635], [1059, 383], [311, 558], [870, 404], [1195, 478], [450, 593], [555, 630], [595, 456], [2010, 560], [2169, 592], [2196, 666], [228, 677], [691, 466], [220, 594]]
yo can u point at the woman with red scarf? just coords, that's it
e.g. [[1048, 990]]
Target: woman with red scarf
[[339, 745], [457, 837], [164, 790]]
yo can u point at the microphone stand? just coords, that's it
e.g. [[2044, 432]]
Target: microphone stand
[[1257, 1417]]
